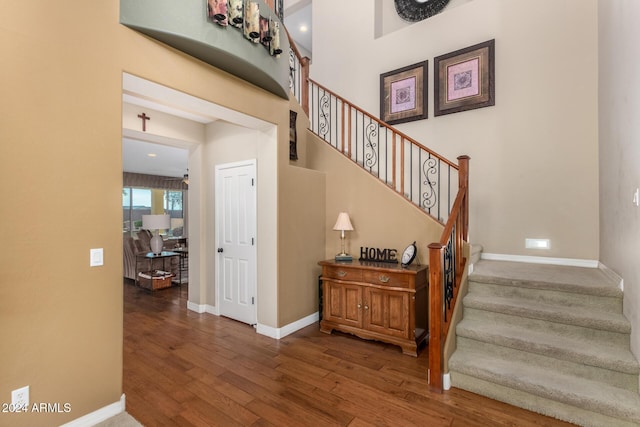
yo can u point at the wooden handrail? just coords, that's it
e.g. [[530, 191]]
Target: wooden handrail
[[383, 124], [454, 236]]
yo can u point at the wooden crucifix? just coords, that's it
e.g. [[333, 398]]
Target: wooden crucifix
[[144, 118]]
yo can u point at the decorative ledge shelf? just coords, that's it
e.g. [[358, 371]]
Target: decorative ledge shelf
[[184, 25]]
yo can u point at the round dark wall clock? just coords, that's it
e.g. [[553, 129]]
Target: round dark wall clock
[[409, 254], [417, 10]]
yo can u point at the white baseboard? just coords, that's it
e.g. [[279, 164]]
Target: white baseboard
[[571, 262], [203, 308], [278, 333], [100, 415], [269, 331]]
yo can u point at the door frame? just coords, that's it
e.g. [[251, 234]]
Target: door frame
[[218, 291]]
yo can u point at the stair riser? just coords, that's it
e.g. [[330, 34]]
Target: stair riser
[[557, 314], [551, 362], [535, 403], [569, 299], [615, 338], [572, 284]]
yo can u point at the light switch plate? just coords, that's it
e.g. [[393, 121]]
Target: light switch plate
[[96, 257]]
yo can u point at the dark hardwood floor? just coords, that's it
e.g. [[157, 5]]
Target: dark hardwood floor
[[187, 369]]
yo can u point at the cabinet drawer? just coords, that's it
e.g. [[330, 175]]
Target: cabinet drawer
[[343, 273], [386, 279]]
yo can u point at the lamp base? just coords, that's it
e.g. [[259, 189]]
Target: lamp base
[[156, 244], [344, 257]]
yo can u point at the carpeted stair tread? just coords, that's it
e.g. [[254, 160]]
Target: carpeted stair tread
[[550, 384], [573, 349], [591, 281], [607, 321]]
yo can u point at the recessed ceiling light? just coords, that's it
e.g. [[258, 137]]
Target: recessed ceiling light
[[151, 155], [304, 28]]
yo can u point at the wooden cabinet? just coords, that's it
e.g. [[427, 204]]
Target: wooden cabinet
[[384, 302]]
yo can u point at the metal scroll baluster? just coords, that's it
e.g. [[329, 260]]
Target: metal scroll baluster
[[429, 170], [324, 125], [449, 271], [371, 155]]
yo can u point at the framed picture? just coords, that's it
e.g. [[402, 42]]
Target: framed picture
[[403, 94], [293, 136], [464, 79]]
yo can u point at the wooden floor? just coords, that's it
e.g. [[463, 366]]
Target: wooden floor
[[187, 369]]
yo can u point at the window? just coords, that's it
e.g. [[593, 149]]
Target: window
[[142, 201]]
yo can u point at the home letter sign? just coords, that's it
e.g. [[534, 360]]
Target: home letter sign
[[378, 255]]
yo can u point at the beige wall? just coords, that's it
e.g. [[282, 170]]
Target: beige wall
[[534, 155], [380, 217], [620, 150], [61, 84], [301, 222]]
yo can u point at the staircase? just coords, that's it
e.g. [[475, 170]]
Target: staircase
[[551, 339]]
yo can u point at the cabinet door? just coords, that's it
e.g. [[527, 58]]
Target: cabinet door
[[343, 303], [387, 312]]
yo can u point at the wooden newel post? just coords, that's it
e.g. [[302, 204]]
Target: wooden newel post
[[463, 182], [436, 307], [304, 90]]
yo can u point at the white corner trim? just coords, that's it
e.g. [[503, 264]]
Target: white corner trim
[[446, 381], [612, 275], [198, 308], [278, 333], [203, 308], [98, 416], [571, 262]]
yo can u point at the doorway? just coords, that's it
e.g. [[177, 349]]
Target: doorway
[[218, 135]]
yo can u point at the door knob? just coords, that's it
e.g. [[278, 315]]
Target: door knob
[[220, 250]]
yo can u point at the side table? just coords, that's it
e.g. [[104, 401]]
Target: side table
[[150, 256]]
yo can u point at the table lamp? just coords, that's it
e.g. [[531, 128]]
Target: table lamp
[[156, 222], [343, 224]]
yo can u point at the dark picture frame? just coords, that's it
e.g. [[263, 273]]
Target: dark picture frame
[[293, 136], [465, 79], [403, 94]]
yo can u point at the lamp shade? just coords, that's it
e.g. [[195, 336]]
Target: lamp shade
[[343, 223], [156, 222]]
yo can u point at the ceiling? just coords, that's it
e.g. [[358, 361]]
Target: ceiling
[[170, 160], [297, 19], [166, 160]]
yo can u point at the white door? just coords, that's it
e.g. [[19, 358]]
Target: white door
[[235, 200]]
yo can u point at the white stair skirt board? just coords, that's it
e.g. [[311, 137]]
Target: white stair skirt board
[[571, 262], [279, 333], [446, 381], [98, 416]]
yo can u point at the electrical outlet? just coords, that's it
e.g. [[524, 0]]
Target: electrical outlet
[[20, 397]]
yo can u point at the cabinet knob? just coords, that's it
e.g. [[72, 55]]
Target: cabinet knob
[[359, 305], [366, 307], [342, 273], [384, 278]]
